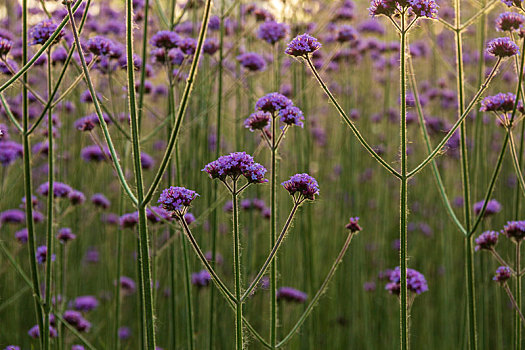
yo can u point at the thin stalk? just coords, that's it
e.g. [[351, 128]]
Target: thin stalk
[[10, 114], [515, 161], [28, 187], [273, 252], [469, 256], [182, 107], [237, 267], [403, 312], [520, 162], [517, 326], [187, 289], [514, 303], [98, 110], [50, 207], [116, 338], [349, 122], [319, 293], [273, 233], [143, 255], [143, 65]]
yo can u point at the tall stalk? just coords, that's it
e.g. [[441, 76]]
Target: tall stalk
[[50, 208], [517, 321], [237, 267], [273, 231], [143, 254], [28, 187], [403, 190]]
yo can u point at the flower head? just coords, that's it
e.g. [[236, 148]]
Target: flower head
[[258, 121], [502, 47], [41, 32], [291, 294], [501, 102], [382, 7], [60, 190], [515, 230], [100, 46], [346, 33], [235, 165], [65, 235], [416, 282], [511, 3], [424, 8], [302, 46], [272, 102], [165, 39], [12, 216], [5, 47], [176, 198], [493, 207], [292, 115], [272, 32], [486, 240], [201, 278], [85, 303], [252, 61], [353, 225], [509, 21], [303, 184], [503, 273]]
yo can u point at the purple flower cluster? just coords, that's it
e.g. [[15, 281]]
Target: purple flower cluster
[[272, 32], [175, 199], [416, 282], [515, 230], [291, 294], [165, 39], [272, 103], [509, 21], [12, 216], [234, 165], [41, 255], [291, 115], [65, 235], [100, 46], [85, 303], [421, 8], [304, 184], [201, 278], [493, 207], [501, 102], [9, 152], [258, 121], [60, 190], [252, 61], [424, 8], [353, 225], [76, 319], [41, 32], [487, 240], [503, 273], [302, 46], [5, 47], [502, 47]]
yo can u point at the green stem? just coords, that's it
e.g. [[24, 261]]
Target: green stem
[[515, 161], [273, 233], [143, 254], [349, 123], [50, 200], [237, 267], [143, 66], [403, 192], [187, 287], [517, 319]]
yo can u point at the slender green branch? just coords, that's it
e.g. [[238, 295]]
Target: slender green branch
[[10, 114]]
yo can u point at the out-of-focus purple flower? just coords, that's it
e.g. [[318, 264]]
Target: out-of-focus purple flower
[[92, 256], [175, 199], [12, 216], [503, 273], [291, 294], [369, 286], [129, 220], [416, 282], [41, 32], [85, 303], [235, 165], [272, 32], [487, 240], [252, 61], [22, 235], [65, 235], [165, 39], [12, 347], [302, 46], [76, 197], [382, 7], [101, 201], [60, 190], [5, 47], [157, 214], [189, 218], [502, 47], [218, 258], [201, 278], [303, 184], [493, 207], [99, 46], [210, 46], [94, 153], [127, 285], [346, 33], [41, 254], [9, 152], [515, 230], [34, 332], [146, 161], [124, 333]]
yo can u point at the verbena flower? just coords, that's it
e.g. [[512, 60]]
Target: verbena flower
[[493, 207], [501, 102], [515, 230], [424, 8], [235, 165], [210, 46], [272, 102], [353, 225], [291, 294], [9, 152], [129, 220], [302, 46], [60, 190], [303, 184], [382, 7], [165, 39], [502, 47], [22, 235], [509, 21], [12, 216], [503, 273], [511, 3], [41, 32], [124, 333], [85, 303], [101, 201], [34, 332], [5, 47], [258, 121], [346, 33], [175, 199], [76, 197], [100, 46], [65, 235], [416, 282], [201, 278], [292, 115], [127, 285], [252, 61], [272, 32], [487, 240], [41, 255], [187, 45]]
